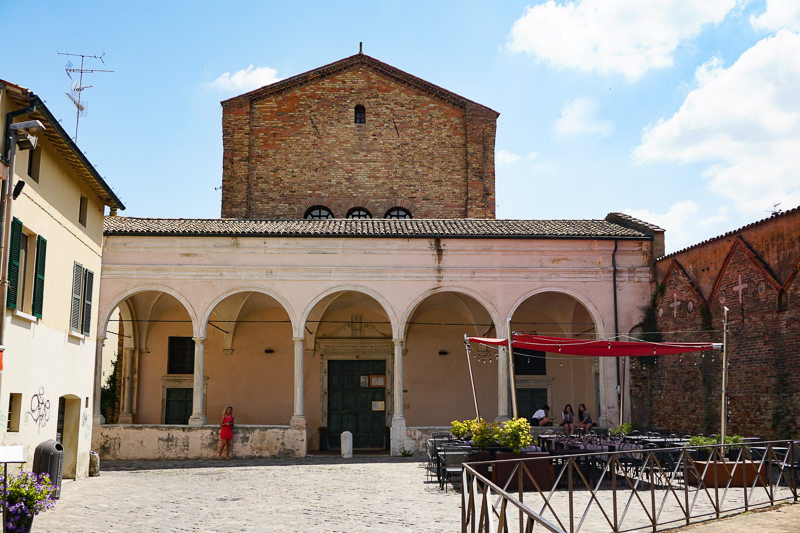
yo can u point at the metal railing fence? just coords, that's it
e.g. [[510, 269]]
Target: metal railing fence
[[629, 490]]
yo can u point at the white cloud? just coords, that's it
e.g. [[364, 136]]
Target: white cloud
[[579, 117], [505, 157], [245, 80], [629, 37], [677, 222], [779, 14], [744, 121]]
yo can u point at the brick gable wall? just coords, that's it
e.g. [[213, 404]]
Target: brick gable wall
[[763, 347], [284, 152]]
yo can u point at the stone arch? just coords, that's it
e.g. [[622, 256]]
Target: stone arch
[[115, 301], [580, 298], [237, 290], [378, 297], [481, 299]]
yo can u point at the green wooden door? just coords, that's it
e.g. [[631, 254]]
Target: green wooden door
[[529, 401], [350, 403], [178, 406]]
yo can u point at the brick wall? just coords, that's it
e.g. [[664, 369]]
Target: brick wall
[[763, 299], [288, 150]]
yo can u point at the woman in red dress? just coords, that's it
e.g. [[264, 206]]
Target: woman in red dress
[[226, 433]]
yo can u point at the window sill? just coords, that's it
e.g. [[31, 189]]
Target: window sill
[[75, 335], [25, 316]]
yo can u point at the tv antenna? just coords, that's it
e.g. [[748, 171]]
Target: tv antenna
[[775, 210], [77, 85]]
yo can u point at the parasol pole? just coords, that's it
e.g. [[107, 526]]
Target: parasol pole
[[511, 376], [471, 379], [724, 410]]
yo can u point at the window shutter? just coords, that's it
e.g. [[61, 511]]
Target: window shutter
[[77, 289], [38, 284], [86, 323], [13, 262]]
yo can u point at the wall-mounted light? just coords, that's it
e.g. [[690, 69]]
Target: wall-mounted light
[[17, 189], [269, 350], [442, 352]]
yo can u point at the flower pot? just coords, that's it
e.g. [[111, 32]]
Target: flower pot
[[542, 471]]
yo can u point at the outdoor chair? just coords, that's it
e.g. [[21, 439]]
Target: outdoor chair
[[452, 457]]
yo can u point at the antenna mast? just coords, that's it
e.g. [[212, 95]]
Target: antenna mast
[[77, 85]]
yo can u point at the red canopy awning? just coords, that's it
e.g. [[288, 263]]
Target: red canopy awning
[[597, 348]]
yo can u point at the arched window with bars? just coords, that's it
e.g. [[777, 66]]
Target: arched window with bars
[[361, 114]]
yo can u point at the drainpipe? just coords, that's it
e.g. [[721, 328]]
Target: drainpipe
[[616, 324], [5, 205]]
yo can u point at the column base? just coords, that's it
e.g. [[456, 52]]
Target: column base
[[125, 418], [98, 420], [399, 438], [197, 420], [502, 418], [298, 422]]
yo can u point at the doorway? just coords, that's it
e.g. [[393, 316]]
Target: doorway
[[357, 402]]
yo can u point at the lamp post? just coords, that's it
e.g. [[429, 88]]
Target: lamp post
[[20, 136]]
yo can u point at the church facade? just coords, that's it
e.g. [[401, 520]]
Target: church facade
[[357, 247]]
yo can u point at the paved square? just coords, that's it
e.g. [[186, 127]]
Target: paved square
[[323, 493]]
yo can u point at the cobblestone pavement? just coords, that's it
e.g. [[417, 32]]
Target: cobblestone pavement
[[327, 493], [320, 494]]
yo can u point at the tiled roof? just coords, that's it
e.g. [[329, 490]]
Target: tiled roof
[[63, 143], [378, 227]]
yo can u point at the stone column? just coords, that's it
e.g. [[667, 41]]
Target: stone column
[[126, 417], [299, 417], [398, 430], [98, 418], [502, 384], [198, 418]]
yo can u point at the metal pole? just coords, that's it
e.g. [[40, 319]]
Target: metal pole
[[472, 379], [724, 425], [511, 376]]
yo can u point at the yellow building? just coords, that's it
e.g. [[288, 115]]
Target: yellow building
[[55, 247]]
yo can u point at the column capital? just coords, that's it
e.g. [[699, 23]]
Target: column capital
[[298, 339], [398, 341], [100, 339], [129, 351], [199, 340]]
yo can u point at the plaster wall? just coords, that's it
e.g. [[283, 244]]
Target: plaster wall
[[43, 359], [124, 442]]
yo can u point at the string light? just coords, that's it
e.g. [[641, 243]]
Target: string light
[[562, 361]]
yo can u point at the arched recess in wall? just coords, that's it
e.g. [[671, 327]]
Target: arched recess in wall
[[348, 365], [436, 369], [151, 315], [545, 377], [249, 356]]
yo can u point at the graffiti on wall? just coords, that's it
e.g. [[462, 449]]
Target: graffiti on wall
[[87, 429], [40, 409]]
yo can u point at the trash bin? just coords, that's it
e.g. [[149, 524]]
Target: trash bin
[[48, 458], [94, 464]]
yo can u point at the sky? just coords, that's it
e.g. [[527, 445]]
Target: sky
[[683, 113]]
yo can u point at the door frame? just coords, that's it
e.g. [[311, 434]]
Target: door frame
[[354, 350]]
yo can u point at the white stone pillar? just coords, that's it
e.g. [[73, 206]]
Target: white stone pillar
[[398, 436], [98, 418], [502, 384], [299, 417], [126, 417], [198, 418]]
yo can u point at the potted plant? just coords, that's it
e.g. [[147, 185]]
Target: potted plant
[[323, 438], [28, 495], [460, 430], [515, 435], [484, 434]]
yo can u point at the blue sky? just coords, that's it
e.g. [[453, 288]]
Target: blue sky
[[681, 112]]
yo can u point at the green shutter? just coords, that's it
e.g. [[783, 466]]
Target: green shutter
[[77, 290], [13, 262], [38, 284], [86, 323]]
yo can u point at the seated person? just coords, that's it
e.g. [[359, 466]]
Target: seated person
[[584, 419], [567, 422], [540, 417]]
